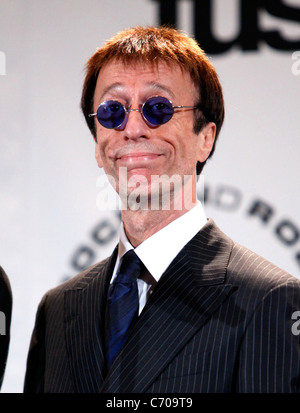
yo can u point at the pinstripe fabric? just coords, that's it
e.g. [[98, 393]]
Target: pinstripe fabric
[[219, 320]]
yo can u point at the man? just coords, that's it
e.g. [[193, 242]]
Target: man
[[212, 316], [5, 320]]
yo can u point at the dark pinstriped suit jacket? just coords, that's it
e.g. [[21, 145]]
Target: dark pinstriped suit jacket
[[219, 320], [6, 309]]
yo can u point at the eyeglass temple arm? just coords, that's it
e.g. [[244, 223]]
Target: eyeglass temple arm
[[184, 107], [137, 110]]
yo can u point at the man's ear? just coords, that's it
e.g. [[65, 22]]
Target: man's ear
[[98, 156], [207, 139]]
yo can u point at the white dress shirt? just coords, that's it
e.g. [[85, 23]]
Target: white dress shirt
[[158, 251]]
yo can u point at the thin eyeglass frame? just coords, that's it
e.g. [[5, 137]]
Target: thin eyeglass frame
[[126, 111]]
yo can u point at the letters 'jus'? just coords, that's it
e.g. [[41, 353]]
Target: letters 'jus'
[[250, 34], [2, 64]]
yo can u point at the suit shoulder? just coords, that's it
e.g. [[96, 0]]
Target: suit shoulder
[[4, 281], [246, 267], [80, 280], [5, 287], [251, 267]]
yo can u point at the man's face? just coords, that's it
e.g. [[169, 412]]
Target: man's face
[[169, 149]]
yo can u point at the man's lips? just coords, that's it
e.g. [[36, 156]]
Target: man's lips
[[137, 160], [138, 156]]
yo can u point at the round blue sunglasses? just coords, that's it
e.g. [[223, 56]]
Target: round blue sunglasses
[[156, 111]]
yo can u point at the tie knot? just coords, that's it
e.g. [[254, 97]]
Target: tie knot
[[130, 266]]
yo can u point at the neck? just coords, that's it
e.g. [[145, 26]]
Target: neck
[[140, 224]]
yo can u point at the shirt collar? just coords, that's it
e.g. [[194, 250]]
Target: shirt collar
[[158, 251]]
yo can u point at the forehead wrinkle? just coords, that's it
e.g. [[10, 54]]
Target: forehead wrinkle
[[155, 86], [113, 87], [160, 87]]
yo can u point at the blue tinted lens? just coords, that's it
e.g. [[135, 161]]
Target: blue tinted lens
[[111, 114], [158, 110]]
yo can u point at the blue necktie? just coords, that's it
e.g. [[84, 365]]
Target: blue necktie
[[123, 304]]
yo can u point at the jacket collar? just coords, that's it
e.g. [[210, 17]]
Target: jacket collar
[[84, 318], [186, 296], [188, 293]]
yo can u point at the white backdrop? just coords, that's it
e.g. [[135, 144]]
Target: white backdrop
[[50, 225]]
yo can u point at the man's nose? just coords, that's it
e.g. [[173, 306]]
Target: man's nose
[[136, 126]]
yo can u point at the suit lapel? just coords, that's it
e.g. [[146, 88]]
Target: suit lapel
[[186, 296], [84, 318]]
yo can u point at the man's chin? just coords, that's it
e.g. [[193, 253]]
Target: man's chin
[[157, 193], [135, 198], [143, 199]]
